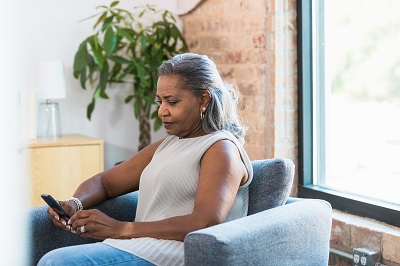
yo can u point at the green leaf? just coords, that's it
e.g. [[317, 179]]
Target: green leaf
[[126, 71], [151, 7], [148, 100], [92, 16], [143, 42], [136, 108], [125, 34], [110, 41], [90, 61], [120, 59], [95, 41], [97, 93], [128, 99], [103, 80], [154, 114], [157, 123], [97, 52], [157, 120], [92, 67], [142, 13], [83, 78], [101, 19], [114, 72], [114, 3], [104, 95], [80, 59], [165, 14], [107, 22], [99, 58], [90, 108]]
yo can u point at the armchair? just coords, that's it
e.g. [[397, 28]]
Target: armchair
[[279, 230]]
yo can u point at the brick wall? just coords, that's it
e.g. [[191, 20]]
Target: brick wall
[[254, 44], [350, 231]]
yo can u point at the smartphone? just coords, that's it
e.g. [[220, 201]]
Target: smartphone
[[55, 206]]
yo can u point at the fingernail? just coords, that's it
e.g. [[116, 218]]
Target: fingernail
[[58, 218], [69, 221], [63, 222], [68, 227]]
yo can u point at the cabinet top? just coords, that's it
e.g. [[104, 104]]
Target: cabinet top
[[65, 140]]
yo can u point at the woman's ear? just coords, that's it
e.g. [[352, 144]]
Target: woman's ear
[[205, 98]]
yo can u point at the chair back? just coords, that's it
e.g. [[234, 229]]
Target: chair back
[[271, 185]]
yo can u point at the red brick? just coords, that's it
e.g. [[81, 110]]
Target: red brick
[[235, 57], [226, 71], [254, 7], [257, 56], [270, 5], [391, 247], [335, 260], [365, 237], [253, 106], [271, 77], [247, 72], [259, 40], [270, 27], [340, 234]]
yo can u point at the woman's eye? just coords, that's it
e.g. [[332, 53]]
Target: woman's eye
[[172, 103], [158, 102]]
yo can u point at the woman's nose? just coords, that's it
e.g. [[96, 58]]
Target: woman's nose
[[162, 111]]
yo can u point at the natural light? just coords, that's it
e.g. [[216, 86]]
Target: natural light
[[362, 108]]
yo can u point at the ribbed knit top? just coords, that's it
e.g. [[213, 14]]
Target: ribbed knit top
[[168, 188]]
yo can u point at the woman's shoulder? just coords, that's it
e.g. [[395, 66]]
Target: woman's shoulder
[[227, 145]]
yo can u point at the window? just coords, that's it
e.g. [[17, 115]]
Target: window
[[349, 104]]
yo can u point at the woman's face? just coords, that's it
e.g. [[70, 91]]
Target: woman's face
[[179, 109]]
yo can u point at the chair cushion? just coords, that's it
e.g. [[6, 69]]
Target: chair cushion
[[271, 185]]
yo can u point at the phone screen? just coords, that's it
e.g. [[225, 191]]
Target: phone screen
[[55, 206]]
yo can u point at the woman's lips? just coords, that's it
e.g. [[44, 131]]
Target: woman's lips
[[167, 125]]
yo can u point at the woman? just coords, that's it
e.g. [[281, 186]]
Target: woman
[[196, 177]]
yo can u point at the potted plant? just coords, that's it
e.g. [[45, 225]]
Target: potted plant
[[124, 50]]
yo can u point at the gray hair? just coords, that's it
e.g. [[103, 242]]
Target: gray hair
[[199, 73]]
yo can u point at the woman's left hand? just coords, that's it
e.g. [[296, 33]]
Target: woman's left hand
[[95, 224]]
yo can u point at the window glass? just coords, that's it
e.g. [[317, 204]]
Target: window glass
[[357, 97]]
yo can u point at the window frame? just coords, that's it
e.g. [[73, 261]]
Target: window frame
[[354, 204]]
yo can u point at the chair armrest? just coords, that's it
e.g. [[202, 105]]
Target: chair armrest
[[293, 234], [293, 200], [44, 236]]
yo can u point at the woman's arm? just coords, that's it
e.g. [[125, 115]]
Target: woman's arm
[[116, 181], [221, 173]]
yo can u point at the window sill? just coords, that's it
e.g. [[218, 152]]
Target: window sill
[[360, 206]]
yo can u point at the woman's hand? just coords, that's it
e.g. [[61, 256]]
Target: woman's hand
[[95, 224], [62, 222]]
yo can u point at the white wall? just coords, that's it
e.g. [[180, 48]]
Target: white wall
[[13, 186], [38, 30], [53, 31]]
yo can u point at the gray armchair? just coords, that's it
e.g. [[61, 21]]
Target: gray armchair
[[278, 230]]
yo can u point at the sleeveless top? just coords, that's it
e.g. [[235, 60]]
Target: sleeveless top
[[168, 188]]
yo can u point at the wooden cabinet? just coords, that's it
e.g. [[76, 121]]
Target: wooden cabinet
[[58, 166]]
